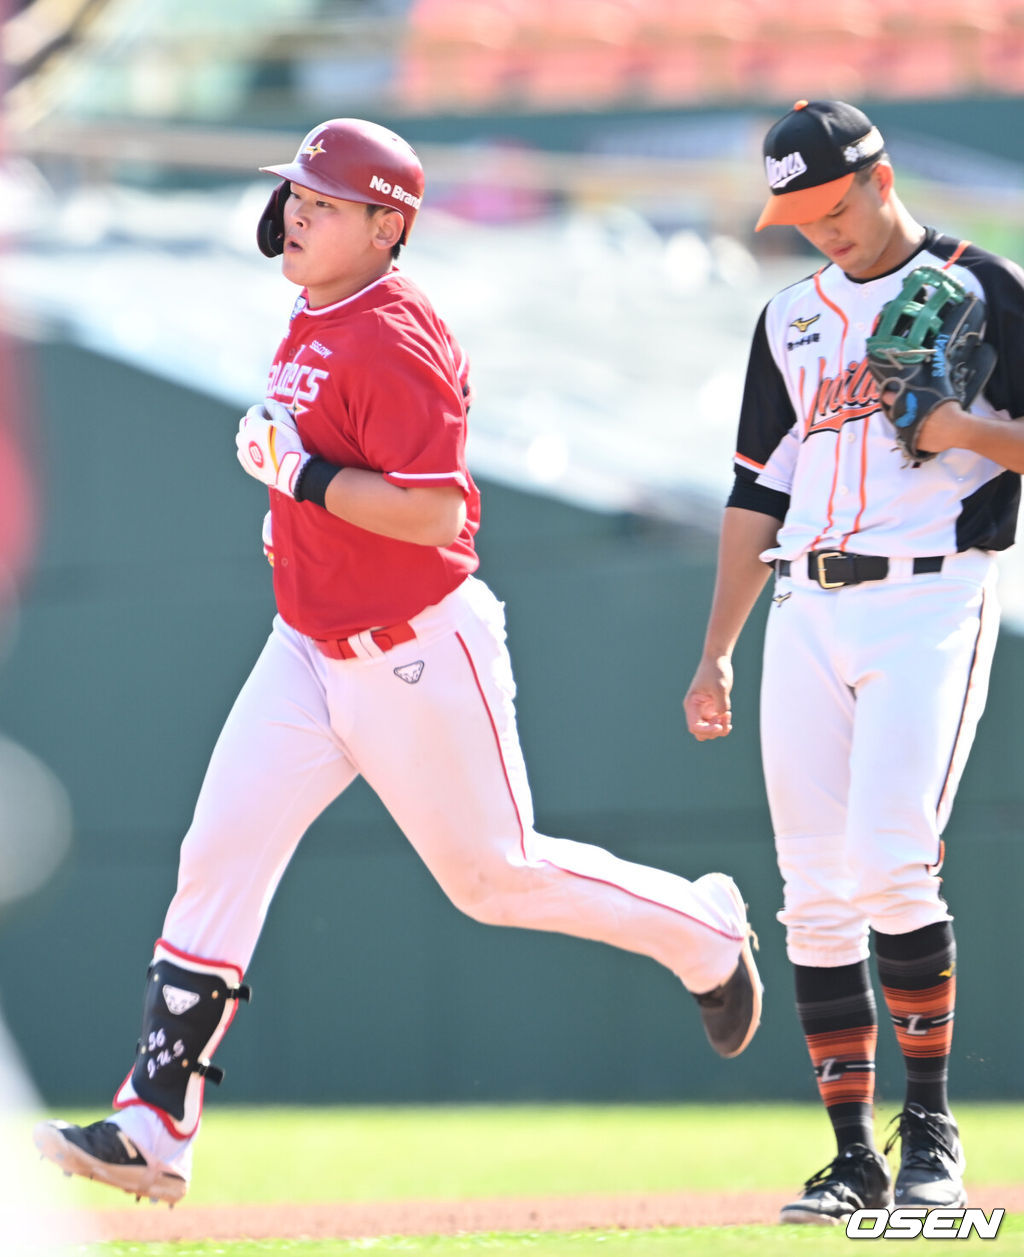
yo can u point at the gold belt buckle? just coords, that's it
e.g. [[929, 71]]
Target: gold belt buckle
[[820, 559]]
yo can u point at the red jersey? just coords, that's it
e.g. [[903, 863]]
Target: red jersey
[[375, 381]]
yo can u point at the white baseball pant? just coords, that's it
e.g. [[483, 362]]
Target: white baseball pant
[[870, 700], [443, 755]]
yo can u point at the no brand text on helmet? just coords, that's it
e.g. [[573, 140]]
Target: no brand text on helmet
[[395, 191]]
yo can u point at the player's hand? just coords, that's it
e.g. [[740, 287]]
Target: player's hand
[[943, 428], [929, 439], [268, 539], [269, 446], [707, 707]]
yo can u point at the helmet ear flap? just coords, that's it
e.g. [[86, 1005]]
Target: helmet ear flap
[[270, 229]]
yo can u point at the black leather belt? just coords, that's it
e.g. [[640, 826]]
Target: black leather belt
[[832, 569]]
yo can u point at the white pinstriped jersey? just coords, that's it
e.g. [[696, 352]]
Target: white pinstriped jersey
[[815, 449]]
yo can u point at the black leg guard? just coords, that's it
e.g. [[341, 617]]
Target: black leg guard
[[188, 1007]]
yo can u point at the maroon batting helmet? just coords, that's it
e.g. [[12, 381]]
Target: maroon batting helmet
[[354, 161]]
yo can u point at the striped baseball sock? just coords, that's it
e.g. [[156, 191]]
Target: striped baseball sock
[[918, 976], [837, 1012]]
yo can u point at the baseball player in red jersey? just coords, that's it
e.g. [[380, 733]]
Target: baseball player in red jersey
[[878, 643], [387, 659]]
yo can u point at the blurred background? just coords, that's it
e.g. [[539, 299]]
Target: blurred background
[[593, 178]]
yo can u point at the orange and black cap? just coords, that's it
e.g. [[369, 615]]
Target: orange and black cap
[[811, 156]]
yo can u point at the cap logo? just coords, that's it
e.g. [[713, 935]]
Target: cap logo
[[781, 170], [312, 150], [867, 146]]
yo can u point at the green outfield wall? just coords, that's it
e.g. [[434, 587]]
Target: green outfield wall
[[150, 600]]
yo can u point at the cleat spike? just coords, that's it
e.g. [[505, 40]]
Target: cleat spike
[[100, 1153]]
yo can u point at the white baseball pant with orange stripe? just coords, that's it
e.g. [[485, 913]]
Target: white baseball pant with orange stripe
[[442, 752], [871, 695]]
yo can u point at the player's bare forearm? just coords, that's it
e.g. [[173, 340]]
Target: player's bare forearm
[[950, 427], [424, 516], [741, 577]]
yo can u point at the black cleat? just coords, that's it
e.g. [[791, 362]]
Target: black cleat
[[858, 1178], [104, 1152], [731, 1012], [932, 1160]]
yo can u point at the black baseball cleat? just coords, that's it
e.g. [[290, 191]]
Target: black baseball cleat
[[932, 1160], [858, 1178], [104, 1152], [731, 1012]]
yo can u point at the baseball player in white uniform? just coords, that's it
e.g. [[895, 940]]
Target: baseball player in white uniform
[[387, 659], [879, 639]]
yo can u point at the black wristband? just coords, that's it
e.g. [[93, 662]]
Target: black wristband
[[313, 479]]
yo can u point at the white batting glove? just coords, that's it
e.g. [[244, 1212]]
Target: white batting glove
[[268, 539], [269, 447]]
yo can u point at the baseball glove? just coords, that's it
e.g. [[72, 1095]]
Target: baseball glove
[[926, 349]]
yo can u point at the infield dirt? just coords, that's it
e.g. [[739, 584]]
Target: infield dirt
[[142, 1222]]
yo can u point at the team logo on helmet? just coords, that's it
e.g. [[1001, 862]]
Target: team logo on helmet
[[313, 150]]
